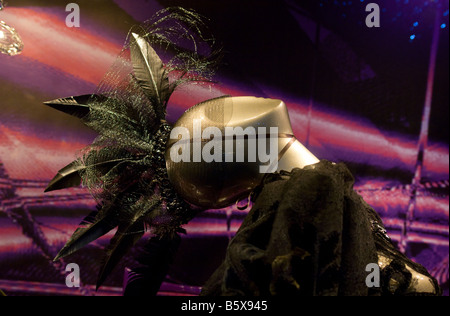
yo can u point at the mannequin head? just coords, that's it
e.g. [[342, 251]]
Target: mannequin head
[[220, 149]]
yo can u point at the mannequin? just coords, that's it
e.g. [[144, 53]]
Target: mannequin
[[303, 211], [247, 128], [308, 232]]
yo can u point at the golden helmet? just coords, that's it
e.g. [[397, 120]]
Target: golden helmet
[[220, 149]]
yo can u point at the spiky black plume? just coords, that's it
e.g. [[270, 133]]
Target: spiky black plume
[[124, 168]]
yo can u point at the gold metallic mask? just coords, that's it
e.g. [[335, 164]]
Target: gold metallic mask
[[220, 184]]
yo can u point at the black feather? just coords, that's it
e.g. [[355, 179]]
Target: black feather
[[128, 233], [103, 222], [78, 106], [150, 73], [121, 244], [67, 177]]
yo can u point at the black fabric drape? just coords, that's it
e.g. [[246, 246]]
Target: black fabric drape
[[310, 234]]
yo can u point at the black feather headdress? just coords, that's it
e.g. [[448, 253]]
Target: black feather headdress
[[124, 168]]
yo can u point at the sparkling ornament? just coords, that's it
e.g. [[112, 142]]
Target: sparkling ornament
[[10, 41]]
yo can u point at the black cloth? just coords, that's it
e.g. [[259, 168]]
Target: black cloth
[[310, 234]]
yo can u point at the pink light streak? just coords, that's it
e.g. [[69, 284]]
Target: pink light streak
[[26, 156], [48, 40]]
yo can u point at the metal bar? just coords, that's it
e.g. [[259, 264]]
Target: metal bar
[[423, 137]]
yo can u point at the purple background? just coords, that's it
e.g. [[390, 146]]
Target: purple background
[[355, 95]]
